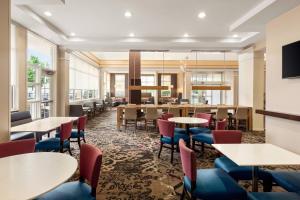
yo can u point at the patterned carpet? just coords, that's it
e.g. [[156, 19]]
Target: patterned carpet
[[131, 169]]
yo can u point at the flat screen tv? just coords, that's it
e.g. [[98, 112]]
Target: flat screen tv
[[291, 60]]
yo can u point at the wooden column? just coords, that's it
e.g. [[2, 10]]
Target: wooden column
[[134, 76], [5, 70]]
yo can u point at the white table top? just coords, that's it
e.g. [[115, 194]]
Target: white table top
[[188, 120], [258, 154], [43, 125], [28, 176]]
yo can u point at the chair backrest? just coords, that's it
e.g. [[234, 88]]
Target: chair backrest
[[188, 162], [221, 125], [65, 130], [81, 122], [151, 113], [206, 116], [90, 165], [166, 128], [18, 118], [17, 147], [166, 116], [130, 113], [76, 110], [201, 110], [222, 113], [241, 113], [174, 111], [227, 136]]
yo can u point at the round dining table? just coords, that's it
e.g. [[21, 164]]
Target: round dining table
[[188, 121], [28, 176]]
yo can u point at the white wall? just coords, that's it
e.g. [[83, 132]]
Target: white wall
[[282, 95]]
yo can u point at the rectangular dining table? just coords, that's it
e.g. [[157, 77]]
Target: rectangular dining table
[[42, 126], [258, 155]]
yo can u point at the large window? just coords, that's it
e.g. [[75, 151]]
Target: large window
[[120, 85], [213, 97], [166, 81], [84, 80], [148, 80], [41, 57], [13, 71]]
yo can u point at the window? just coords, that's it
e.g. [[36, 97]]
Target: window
[[166, 81], [83, 80], [13, 71], [212, 97], [148, 80], [120, 85], [40, 75]]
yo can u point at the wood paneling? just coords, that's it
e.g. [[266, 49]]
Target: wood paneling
[[279, 115], [134, 76], [211, 87], [154, 87]]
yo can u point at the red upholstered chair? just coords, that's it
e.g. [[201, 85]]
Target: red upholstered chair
[[221, 125], [227, 136], [206, 183], [17, 147], [204, 127], [89, 169], [169, 137], [166, 116]]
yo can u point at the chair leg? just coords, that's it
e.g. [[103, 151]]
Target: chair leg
[[202, 147], [69, 149], [161, 146], [172, 153], [182, 194], [193, 144], [78, 141], [83, 139]]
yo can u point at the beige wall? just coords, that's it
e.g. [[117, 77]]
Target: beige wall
[[282, 95], [5, 70]]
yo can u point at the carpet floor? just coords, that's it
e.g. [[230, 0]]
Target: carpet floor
[[130, 166]]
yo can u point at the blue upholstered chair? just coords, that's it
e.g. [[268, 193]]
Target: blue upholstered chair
[[206, 184], [230, 167], [169, 137], [289, 180], [204, 127], [206, 137], [89, 169], [78, 134], [166, 116], [57, 144], [273, 196]]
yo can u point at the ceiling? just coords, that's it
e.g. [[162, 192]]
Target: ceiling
[[100, 25]]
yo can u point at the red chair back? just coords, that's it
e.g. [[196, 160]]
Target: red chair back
[[166, 128], [188, 161], [17, 147], [227, 136], [166, 116], [81, 122], [221, 125], [65, 130], [206, 116], [90, 165]]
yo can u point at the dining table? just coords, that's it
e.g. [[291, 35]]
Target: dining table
[[42, 126], [27, 176], [258, 155], [187, 121]]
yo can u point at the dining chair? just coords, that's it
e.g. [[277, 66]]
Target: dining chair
[[169, 137], [17, 147], [175, 111], [206, 137], [204, 127], [130, 117], [166, 116], [206, 184], [240, 115], [289, 180], [57, 144], [273, 196], [235, 171], [201, 110], [222, 113], [89, 169], [78, 134], [150, 117]]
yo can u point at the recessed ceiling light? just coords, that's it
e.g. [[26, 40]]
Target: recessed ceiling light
[[127, 14], [48, 13], [131, 35], [235, 35], [72, 34], [186, 35], [202, 15]]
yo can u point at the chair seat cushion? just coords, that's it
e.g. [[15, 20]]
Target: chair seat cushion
[[177, 137], [273, 196], [203, 137], [74, 134], [197, 130], [239, 172], [289, 180], [215, 184], [51, 144], [69, 191], [180, 130]]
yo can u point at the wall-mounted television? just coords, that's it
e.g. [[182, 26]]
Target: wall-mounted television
[[291, 60]]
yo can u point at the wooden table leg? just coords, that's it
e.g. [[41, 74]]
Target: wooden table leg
[[119, 120]]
